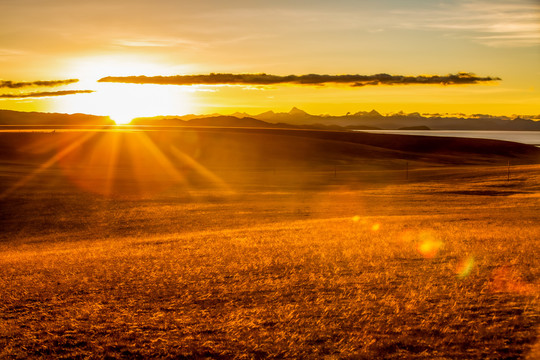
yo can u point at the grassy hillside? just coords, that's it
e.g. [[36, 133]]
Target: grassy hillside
[[138, 163], [222, 243], [262, 145], [434, 268]]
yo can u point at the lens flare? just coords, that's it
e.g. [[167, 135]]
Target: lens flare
[[356, 218], [375, 227], [506, 279], [65, 151], [429, 246], [465, 266], [133, 163]]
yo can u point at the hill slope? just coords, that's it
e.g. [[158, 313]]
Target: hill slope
[[256, 147], [9, 117]]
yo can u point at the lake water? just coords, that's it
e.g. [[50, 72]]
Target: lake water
[[525, 137]]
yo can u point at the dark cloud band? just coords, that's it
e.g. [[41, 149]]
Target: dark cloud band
[[310, 79], [15, 85], [44, 94]]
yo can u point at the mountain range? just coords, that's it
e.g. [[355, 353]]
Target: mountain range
[[295, 118], [362, 120]]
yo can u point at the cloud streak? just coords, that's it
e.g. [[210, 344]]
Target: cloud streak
[[50, 83], [310, 79], [44, 94], [492, 23]]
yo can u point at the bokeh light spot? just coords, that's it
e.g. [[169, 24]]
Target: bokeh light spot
[[429, 246], [464, 267], [509, 280]]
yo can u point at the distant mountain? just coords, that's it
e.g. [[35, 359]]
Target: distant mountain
[[374, 120], [9, 117], [372, 113], [295, 118], [220, 120], [240, 115], [297, 112], [232, 121]]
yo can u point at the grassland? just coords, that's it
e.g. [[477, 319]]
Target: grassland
[[322, 262]]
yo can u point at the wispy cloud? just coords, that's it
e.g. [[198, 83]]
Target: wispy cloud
[[154, 42], [10, 52], [310, 79], [50, 83], [493, 23], [44, 94]]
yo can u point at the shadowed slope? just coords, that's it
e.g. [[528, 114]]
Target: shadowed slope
[[258, 147]]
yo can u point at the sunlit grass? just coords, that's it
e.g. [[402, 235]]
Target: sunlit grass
[[425, 270]]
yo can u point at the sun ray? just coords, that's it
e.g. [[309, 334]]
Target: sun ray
[[160, 157], [118, 163], [111, 170], [47, 164], [200, 169]]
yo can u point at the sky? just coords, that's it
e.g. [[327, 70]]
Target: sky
[[61, 40]]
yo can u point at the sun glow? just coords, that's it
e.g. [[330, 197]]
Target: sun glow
[[123, 102]]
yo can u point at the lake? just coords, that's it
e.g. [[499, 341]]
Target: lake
[[525, 137]]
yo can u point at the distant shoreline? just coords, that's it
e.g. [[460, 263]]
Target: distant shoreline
[[529, 137]]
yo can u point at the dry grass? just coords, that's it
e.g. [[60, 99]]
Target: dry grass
[[445, 266]]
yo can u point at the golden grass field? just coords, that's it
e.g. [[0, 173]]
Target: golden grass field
[[276, 262]]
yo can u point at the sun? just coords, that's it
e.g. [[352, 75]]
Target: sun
[[122, 119], [123, 102]]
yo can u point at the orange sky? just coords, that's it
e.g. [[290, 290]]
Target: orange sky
[[90, 40]]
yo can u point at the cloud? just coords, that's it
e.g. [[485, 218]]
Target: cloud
[[154, 42], [44, 94], [10, 52], [310, 79], [451, 79], [51, 83], [492, 23]]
